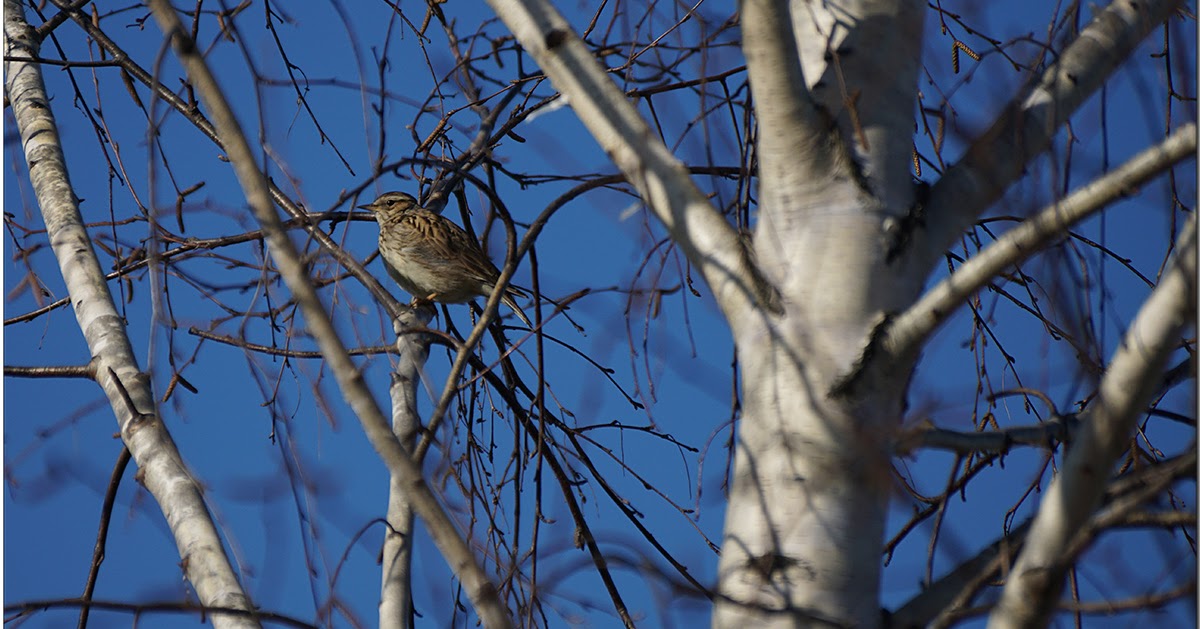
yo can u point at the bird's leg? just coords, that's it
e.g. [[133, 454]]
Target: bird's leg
[[418, 303], [421, 301]]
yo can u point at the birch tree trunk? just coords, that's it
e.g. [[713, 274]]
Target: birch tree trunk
[[804, 527], [841, 248]]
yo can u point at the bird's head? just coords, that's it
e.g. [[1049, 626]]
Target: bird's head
[[391, 203]]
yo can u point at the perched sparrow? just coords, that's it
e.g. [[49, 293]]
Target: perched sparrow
[[432, 258]]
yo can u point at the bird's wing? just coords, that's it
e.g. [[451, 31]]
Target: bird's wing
[[446, 240]]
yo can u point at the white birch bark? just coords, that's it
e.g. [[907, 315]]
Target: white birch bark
[[810, 482], [160, 466], [996, 159], [479, 589], [912, 328], [820, 402], [804, 526], [1035, 584], [395, 600]]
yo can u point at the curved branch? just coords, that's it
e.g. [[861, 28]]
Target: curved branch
[[1032, 590], [453, 547], [911, 329]]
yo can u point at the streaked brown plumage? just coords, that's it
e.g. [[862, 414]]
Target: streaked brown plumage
[[432, 258]]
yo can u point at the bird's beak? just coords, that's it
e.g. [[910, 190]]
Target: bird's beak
[[369, 207]]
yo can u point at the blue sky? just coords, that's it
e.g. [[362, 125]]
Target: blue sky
[[292, 507]]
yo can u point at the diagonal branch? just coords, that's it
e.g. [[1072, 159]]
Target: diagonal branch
[[453, 547], [300, 216], [1029, 123], [702, 233], [946, 601], [911, 329], [114, 365], [1033, 588]]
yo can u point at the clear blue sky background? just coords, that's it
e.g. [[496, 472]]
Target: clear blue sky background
[[288, 538]]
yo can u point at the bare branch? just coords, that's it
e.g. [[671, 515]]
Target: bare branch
[[706, 238], [1029, 123], [128, 390], [911, 329], [441, 528], [53, 371], [110, 497], [1047, 435], [1135, 372]]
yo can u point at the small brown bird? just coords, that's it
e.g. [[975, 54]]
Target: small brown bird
[[432, 258]]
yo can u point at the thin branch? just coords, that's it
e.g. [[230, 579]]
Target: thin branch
[[1122, 511], [283, 351], [441, 528], [1046, 435], [911, 329], [1030, 121], [1032, 590], [110, 497], [702, 233], [1146, 601], [21, 609], [58, 371]]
